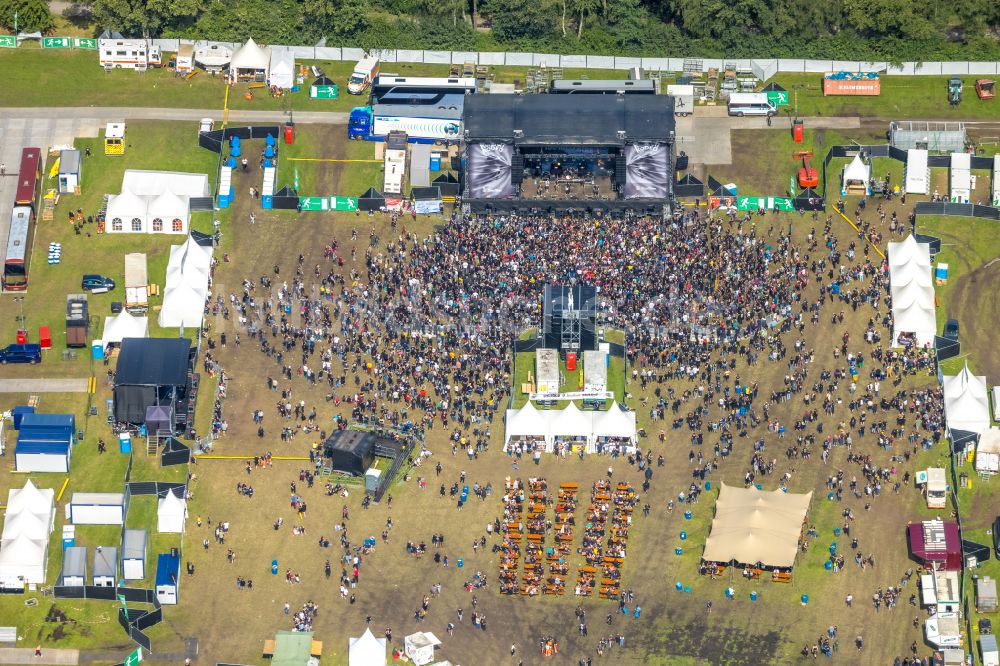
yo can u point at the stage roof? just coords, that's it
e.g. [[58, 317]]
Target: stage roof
[[569, 119], [153, 362]]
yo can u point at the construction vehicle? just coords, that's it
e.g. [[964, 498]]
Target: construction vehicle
[[955, 91], [985, 89], [808, 175]]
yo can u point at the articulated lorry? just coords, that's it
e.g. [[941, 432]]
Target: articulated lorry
[[428, 110]]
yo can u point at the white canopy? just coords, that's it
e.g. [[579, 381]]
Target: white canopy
[[126, 207], [966, 403], [26, 523], [186, 285], [857, 171], [282, 72], [124, 325], [169, 206], [571, 422], [526, 422], [170, 513], [190, 254], [752, 526], [250, 56], [614, 423], [29, 498], [912, 291], [182, 306], [988, 451], [366, 650], [944, 630], [22, 560]]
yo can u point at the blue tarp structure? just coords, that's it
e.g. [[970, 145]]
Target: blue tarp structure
[[48, 427], [44, 442], [18, 414], [168, 568]]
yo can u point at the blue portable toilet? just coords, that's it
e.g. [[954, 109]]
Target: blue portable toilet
[[269, 151], [684, 536], [753, 596], [269, 140], [678, 586], [435, 161], [125, 443], [274, 567], [235, 150], [231, 162], [678, 551], [97, 350]]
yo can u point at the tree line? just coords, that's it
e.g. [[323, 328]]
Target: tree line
[[893, 30]]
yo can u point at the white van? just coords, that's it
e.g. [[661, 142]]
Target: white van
[[364, 74], [936, 489], [751, 104]]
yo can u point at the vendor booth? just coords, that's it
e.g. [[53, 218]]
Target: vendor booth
[[171, 511], [282, 71], [856, 178], [367, 650], [250, 62]]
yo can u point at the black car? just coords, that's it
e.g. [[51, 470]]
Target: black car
[[97, 283], [951, 329], [996, 536]]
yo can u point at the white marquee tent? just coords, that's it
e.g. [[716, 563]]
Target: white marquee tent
[[155, 201], [543, 428], [367, 650], [124, 325], [282, 72], [912, 290], [27, 525], [250, 60], [966, 402], [186, 285], [171, 511]]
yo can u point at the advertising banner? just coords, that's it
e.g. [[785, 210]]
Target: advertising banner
[[427, 207], [647, 171], [489, 170]]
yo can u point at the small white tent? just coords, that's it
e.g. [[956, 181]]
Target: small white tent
[[186, 285], [526, 423], [124, 325], [855, 177], [282, 73], [966, 402], [366, 650], [250, 61], [615, 423], [30, 498], [170, 513], [22, 560]]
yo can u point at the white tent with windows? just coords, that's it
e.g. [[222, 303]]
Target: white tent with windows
[[124, 325], [166, 208], [127, 212], [966, 402], [282, 72], [366, 650], [171, 511]]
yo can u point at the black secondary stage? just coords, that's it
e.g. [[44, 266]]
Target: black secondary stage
[[562, 153]]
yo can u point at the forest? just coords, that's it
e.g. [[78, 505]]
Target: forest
[[893, 30]]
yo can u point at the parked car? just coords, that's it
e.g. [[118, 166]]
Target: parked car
[[996, 536], [951, 329], [97, 283], [206, 125], [29, 353]]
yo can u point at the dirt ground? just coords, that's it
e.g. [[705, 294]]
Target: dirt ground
[[674, 626]]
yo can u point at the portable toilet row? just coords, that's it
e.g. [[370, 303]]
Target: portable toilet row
[[226, 183]]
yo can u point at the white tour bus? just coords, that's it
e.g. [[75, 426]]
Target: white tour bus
[[751, 104]]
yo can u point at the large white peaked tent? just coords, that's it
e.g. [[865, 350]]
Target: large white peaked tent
[[250, 60], [124, 325], [155, 201], [171, 511], [367, 650], [597, 429], [966, 402], [912, 291], [186, 285], [26, 529]]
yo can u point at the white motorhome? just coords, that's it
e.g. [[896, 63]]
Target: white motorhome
[[137, 54], [751, 104], [363, 76], [185, 59]]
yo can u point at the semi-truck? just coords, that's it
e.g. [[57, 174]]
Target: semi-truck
[[428, 110]]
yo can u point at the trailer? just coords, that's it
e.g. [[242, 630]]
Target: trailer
[[77, 320], [136, 283], [137, 54], [428, 110], [185, 59], [852, 83], [395, 164], [683, 99]]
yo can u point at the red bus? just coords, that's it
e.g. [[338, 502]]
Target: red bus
[[15, 263], [28, 177]]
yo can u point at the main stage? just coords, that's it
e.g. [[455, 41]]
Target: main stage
[[568, 153]]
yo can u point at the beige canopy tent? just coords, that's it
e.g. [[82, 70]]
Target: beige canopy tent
[[753, 526]]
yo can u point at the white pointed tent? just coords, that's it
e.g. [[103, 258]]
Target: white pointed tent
[[615, 423], [570, 425], [855, 177], [250, 61], [186, 285], [171, 511], [282, 72], [24, 545], [124, 325], [168, 207], [966, 402], [912, 290], [126, 212], [367, 650], [22, 560], [526, 423]]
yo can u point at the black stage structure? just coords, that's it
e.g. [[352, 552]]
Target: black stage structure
[[569, 317], [156, 372], [564, 153]]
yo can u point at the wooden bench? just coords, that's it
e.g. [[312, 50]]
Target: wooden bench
[[269, 648], [781, 577], [316, 649]]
